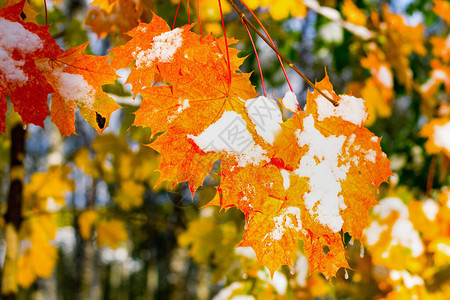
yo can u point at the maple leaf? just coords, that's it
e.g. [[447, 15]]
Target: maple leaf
[[154, 48], [198, 91], [353, 14], [116, 17], [86, 221], [39, 258], [77, 80], [442, 9], [437, 133], [391, 237], [331, 162], [110, 233], [19, 76]]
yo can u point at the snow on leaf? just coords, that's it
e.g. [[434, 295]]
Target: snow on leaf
[[331, 162], [20, 44], [77, 80], [438, 134]]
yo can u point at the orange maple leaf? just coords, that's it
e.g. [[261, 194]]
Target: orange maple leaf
[[19, 77], [77, 80], [332, 162]]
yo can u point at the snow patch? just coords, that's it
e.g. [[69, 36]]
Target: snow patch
[[444, 248], [246, 252], [320, 166], [403, 234], [373, 232], [430, 209], [371, 155], [284, 221], [286, 179], [230, 134], [266, 116], [384, 75], [408, 280], [350, 109], [441, 136], [182, 105], [388, 205], [290, 101], [73, 87], [226, 293], [162, 48], [14, 37]]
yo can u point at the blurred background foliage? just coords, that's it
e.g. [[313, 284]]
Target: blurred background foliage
[[96, 226]]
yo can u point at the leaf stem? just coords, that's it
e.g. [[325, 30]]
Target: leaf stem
[[45, 8], [257, 58], [199, 19], [176, 14], [270, 38], [290, 64], [226, 41], [188, 13]]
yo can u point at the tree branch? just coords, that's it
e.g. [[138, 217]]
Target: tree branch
[[290, 64]]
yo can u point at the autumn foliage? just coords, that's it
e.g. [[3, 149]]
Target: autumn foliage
[[307, 177]]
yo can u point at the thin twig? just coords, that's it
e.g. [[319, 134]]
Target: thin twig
[[290, 64], [257, 59], [176, 14], [226, 42], [268, 36], [199, 18]]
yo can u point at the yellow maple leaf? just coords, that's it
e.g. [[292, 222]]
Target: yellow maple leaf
[[111, 233], [52, 184], [442, 9], [86, 220], [437, 132], [353, 14], [129, 195]]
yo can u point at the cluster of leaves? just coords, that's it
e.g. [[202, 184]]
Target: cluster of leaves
[[298, 176]]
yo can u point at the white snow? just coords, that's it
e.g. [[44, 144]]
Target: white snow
[[226, 292], [301, 270], [441, 136], [230, 134], [279, 281], [403, 234], [430, 209], [444, 248], [253, 155], [266, 116], [73, 87], [384, 75], [286, 179], [13, 36], [350, 109], [320, 166], [162, 48], [408, 280], [243, 297], [371, 155], [182, 105], [388, 205], [290, 218], [373, 232], [246, 252], [290, 101]]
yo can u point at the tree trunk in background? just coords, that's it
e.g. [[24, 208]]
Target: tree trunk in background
[[13, 215]]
